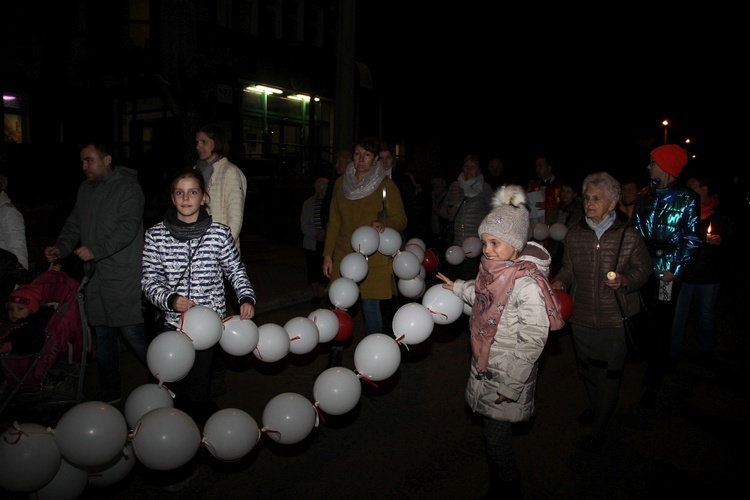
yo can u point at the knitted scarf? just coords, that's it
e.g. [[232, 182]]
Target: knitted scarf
[[357, 189], [207, 169], [471, 187], [493, 287], [184, 231]]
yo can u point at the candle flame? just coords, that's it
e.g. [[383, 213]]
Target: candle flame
[[709, 228]]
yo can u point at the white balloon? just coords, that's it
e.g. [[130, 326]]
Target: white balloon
[[354, 266], [337, 390], [541, 231], [327, 323], [29, 457], [417, 241], [412, 323], [557, 231], [230, 434], [416, 250], [145, 398], [273, 343], [240, 336], [343, 292], [303, 335], [423, 272], [467, 309], [67, 484], [203, 326], [390, 242], [170, 356], [365, 240], [165, 439], [91, 433], [442, 304], [377, 356], [412, 288], [406, 265], [114, 471], [472, 247], [455, 254], [289, 418]]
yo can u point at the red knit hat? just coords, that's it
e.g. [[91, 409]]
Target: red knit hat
[[671, 158], [27, 295]]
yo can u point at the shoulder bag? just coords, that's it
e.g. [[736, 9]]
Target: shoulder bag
[[638, 326]]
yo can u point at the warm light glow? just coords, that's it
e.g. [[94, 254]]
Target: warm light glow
[[709, 229], [302, 97], [262, 88], [665, 123]]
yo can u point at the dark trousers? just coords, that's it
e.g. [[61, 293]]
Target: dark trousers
[[663, 314]]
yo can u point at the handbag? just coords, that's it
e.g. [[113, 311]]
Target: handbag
[[638, 326], [447, 232]]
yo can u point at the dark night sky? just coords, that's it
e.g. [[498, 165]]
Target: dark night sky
[[591, 90]]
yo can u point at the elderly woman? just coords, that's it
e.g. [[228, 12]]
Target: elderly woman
[[591, 252], [363, 196]]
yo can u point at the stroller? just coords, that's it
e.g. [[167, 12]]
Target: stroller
[[52, 379]]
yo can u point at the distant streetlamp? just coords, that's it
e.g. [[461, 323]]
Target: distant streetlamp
[[666, 124]]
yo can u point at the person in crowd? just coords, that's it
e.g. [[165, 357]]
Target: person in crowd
[[107, 223], [225, 182], [704, 273], [629, 192], [668, 217], [23, 331], [548, 184], [437, 196], [466, 203], [591, 247], [227, 188], [363, 196], [313, 240], [567, 211], [12, 228], [343, 159], [407, 187], [496, 176], [185, 259], [513, 309]]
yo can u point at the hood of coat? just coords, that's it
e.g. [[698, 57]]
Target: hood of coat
[[536, 253]]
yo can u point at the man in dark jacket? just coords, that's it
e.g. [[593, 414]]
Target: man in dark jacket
[[107, 223]]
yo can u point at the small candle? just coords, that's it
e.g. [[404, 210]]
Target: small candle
[[709, 230], [611, 275]]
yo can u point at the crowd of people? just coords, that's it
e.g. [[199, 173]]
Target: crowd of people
[[663, 241]]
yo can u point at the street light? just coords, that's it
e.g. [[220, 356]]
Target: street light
[[666, 124]]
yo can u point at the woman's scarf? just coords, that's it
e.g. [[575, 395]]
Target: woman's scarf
[[493, 287], [471, 187], [356, 189], [709, 206], [207, 169], [600, 228], [184, 231]]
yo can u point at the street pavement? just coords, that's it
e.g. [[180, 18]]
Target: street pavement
[[413, 436]]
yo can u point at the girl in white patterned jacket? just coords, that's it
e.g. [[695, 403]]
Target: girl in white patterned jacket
[[184, 260]]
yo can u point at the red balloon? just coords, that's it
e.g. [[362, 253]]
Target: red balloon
[[431, 261], [346, 325], [566, 304]]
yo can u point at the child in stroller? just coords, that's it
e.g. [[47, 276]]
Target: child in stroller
[[22, 331]]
